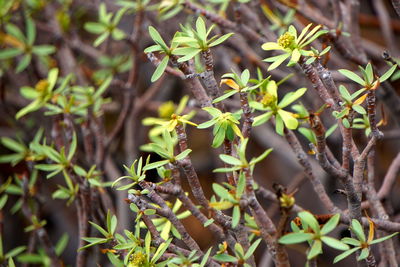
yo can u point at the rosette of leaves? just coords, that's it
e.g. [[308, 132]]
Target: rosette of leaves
[[235, 82], [41, 94], [368, 80], [273, 107], [349, 104], [22, 152], [106, 26], [23, 45], [240, 255], [314, 234], [292, 45], [164, 147], [191, 42], [79, 99], [170, 115], [136, 174], [162, 48], [225, 125], [315, 54], [108, 233], [363, 123], [360, 242]]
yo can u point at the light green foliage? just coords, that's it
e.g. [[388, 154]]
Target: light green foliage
[[170, 116], [272, 107], [193, 41], [235, 82], [240, 254], [368, 80], [361, 242], [106, 26], [279, 21], [225, 125], [22, 46], [314, 234], [292, 45]]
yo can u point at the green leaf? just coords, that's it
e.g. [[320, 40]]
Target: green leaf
[[291, 97], [352, 76], [279, 126], [72, 147], [308, 219], [219, 138], [230, 160], [160, 69], [359, 109], [334, 243], [99, 40], [157, 37], [94, 27], [345, 254], [262, 118], [235, 216], [358, 230], [155, 165], [9, 53], [3, 201], [23, 64], [12, 144], [344, 93], [15, 31], [113, 225], [387, 74], [351, 241], [100, 229], [61, 244], [30, 31], [241, 185], [383, 238], [205, 258], [93, 241], [183, 154], [287, 117], [189, 55], [261, 157], [318, 34], [224, 258], [220, 40], [330, 225], [278, 60], [208, 222], [201, 28], [15, 251], [221, 191], [294, 238], [364, 254], [369, 72], [224, 96], [252, 249], [316, 249]]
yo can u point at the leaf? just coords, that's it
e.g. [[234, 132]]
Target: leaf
[[369, 72], [157, 37], [205, 258], [23, 64], [291, 97], [160, 69], [61, 244], [252, 249], [358, 230], [383, 238], [43, 50], [113, 224], [221, 205], [316, 249], [15, 251], [262, 118], [294, 238], [235, 216], [99, 40], [230, 160], [224, 96], [221, 39], [271, 46], [219, 138], [224, 258], [364, 254], [94, 27], [351, 241], [3, 201], [387, 74], [208, 222], [295, 57], [221, 191], [154, 165], [261, 157], [287, 117], [308, 219], [279, 126], [345, 254], [352, 76], [278, 60], [189, 55], [201, 28], [241, 185], [330, 224], [183, 154], [9, 53], [12, 144], [334, 243], [344, 93]]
